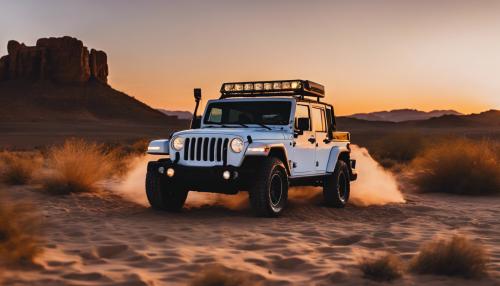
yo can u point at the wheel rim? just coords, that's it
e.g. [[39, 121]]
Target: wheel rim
[[342, 187], [276, 190]]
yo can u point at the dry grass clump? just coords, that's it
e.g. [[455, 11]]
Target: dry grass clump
[[19, 234], [218, 275], [460, 167], [457, 256], [78, 166], [18, 168], [382, 269]]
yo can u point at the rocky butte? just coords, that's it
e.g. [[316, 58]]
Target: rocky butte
[[62, 60], [59, 80]]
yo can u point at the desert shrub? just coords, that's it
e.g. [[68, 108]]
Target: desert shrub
[[217, 275], [460, 167], [19, 234], [383, 269], [457, 256], [18, 168], [78, 166]]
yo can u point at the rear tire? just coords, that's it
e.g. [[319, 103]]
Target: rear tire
[[162, 194], [269, 192], [336, 187]]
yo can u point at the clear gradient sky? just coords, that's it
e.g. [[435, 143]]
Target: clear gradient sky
[[371, 55]]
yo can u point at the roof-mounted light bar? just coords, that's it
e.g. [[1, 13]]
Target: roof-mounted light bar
[[297, 88]]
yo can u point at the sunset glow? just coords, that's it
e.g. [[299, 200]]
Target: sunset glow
[[370, 55]]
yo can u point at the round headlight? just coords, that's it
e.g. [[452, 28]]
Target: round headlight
[[178, 143], [237, 145]]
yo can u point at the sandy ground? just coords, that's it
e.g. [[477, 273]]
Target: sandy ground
[[104, 240]]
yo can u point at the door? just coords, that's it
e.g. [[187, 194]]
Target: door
[[323, 144], [304, 148]]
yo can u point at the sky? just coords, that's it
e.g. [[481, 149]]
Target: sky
[[370, 54]]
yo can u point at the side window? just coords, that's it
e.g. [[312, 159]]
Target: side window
[[301, 111], [318, 115]]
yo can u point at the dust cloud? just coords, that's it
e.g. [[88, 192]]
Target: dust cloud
[[374, 186], [132, 187]]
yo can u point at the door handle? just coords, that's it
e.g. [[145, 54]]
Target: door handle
[[312, 140], [326, 141]]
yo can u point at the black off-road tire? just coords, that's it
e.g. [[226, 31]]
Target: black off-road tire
[[269, 193], [336, 187], [162, 194]]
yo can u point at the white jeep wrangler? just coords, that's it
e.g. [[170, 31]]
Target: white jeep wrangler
[[260, 137]]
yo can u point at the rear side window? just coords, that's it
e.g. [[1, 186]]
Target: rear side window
[[301, 111], [319, 121]]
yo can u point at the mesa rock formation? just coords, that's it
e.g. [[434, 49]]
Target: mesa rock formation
[[62, 60], [59, 80]]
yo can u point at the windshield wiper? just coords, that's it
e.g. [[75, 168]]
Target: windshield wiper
[[224, 125], [217, 123], [265, 126]]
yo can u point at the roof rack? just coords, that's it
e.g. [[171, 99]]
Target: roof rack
[[296, 88]]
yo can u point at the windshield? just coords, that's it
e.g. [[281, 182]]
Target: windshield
[[248, 112]]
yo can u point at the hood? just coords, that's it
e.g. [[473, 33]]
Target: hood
[[255, 133]]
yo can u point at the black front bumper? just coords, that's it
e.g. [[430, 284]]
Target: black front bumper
[[204, 179]]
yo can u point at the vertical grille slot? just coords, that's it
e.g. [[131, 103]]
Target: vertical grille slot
[[193, 146], [219, 149], [186, 149], [212, 149], [224, 151], [199, 142], [205, 149]]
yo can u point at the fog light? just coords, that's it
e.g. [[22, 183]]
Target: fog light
[[161, 170], [170, 172], [226, 175]]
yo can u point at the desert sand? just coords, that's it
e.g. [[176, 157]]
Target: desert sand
[[113, 238]]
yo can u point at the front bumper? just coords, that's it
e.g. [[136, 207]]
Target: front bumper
[[216, 179]]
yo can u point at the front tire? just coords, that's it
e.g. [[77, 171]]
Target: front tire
[[336, 187], [269, 193], [162, 194]]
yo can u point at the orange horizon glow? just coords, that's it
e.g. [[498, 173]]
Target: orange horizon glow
[[370, 55]]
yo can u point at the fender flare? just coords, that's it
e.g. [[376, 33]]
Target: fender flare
[[264, 150], [334, 156]]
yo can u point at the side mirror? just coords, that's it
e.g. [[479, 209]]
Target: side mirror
[[303, 123]]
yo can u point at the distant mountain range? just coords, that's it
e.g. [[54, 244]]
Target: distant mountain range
[[399, 115], [486, 119], [183, 115]]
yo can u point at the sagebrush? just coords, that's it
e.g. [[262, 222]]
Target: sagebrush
[[459, 166], [18, 168], [386, 268], [79, 166], [457, 256]]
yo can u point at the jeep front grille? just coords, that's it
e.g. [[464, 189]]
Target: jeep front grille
[[205, 149]]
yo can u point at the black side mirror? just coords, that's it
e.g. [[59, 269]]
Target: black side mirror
[[303, 123]]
